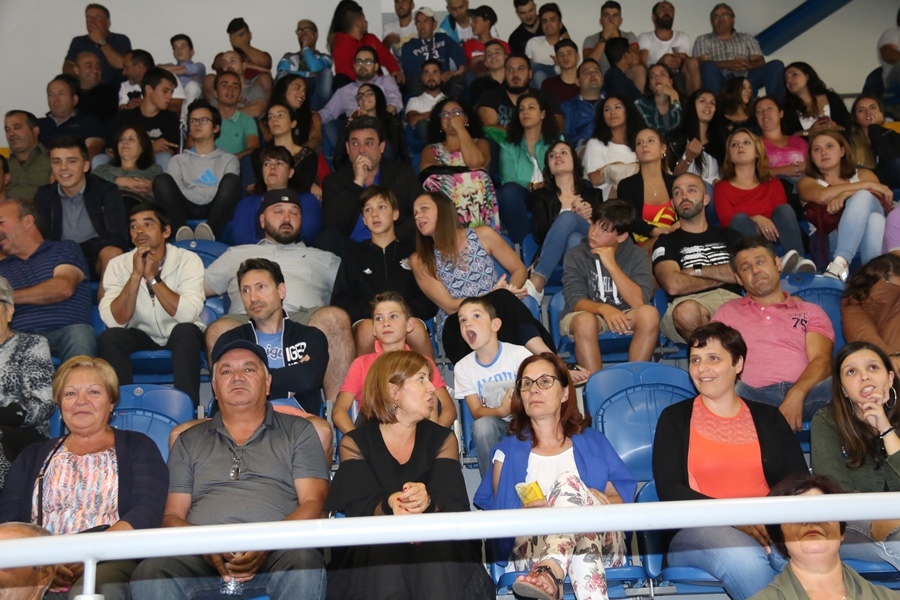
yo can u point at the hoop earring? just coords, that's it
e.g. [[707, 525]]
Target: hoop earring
[[888, 404]]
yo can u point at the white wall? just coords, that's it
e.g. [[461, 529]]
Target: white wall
[[35, 34]]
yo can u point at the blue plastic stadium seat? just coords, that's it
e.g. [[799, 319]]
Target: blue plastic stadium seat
[[822, 291], [624, 402], [208, 250], [466, 420]]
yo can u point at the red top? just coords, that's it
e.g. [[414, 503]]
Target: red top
[[344, 51], [761, 200]]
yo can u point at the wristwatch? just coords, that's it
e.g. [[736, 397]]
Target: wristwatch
[[101, 43], [157, 279], [698, 272]]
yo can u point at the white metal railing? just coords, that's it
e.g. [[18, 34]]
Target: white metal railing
[[92, 547]]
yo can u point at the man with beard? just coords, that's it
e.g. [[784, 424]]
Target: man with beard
[[671, 48], [691, 263], [309, 279], [529, 27], [431, 44], [497, 107], [579, 111], [95, 98], [29, 162], [418, 109], [400, 30]]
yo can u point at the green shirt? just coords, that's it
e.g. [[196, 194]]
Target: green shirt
[[827, 458], [235, 131], [786, 587], [26, 178]]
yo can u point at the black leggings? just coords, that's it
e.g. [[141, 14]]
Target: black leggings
[[219, 212]]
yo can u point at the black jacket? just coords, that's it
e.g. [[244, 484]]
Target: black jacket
[[545, 207], [780, 450], [368, 270], [340, 196], [103, 202], [631, 190], [305, 352]]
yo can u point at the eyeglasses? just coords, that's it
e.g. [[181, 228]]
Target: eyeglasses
[[305, 30], [235, 472], [365, 94], [199, 121], [456, 112], [364, 61], [544, 382], [722, 16]]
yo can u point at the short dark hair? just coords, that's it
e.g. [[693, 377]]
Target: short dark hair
[[30, 119], [143, 57], [368, 49], [366, 122], [618, 213], [161, 215], [236, 25], [391, 296], [278, 152], [549, 7], [98, 7], [584, 62], [70, 81], [481, 301], [797, 484], [182, 37], [261, 264], [565, 43], [748, 243], [495, 43], [200, 104], [518, 3], [718, 6], [432, 61], [730, 338], [518, 55], [611, 4], [378, 191], [616, 48], [222, 74], [155, 76], [68, 142], [26, 208]]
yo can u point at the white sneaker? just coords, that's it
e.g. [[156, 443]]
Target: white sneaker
[[532, 291], [789, 262], [184, 234], [805, 266], [204, 232], [838, 269]]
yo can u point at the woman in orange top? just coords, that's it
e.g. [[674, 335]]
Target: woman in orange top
[[718, 445]]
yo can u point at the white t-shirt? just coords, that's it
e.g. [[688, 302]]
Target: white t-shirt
[[545, 469], [470, 376], [539, 50], [656, 48], [423, 103], [710, 173], [891, 36], [406, 33], [125, 88], [597, 155]]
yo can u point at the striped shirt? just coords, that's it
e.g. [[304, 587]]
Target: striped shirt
[[741, 45], [38, 268]]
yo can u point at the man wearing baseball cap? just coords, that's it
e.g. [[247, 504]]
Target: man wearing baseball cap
[[432, 45], [483, 20]]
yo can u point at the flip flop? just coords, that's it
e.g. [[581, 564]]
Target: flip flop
[[529, 590]]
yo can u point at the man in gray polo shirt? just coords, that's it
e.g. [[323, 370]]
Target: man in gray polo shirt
[[248, 464]]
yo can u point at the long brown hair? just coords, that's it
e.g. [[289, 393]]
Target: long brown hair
[[862, 149], [879, 268], [848, 166], [571, 420], [857, 437], [444, 239], [762, 160]]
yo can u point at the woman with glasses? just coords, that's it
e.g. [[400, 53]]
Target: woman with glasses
[[456, 162], [553, 458], [718, 445], [94, 478]]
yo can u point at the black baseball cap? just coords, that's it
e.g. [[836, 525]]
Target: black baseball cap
[[223, 345], [272, 197], [485, 12]]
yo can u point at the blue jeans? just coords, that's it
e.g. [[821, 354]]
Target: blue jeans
[[514, 204], [769, 76], [860, 545], [540, 73], [285, 575], [71, 340], [861, 228], [320, 88], [730, 555], [487, 432], [565, 233], [818, 396], [785, 220]]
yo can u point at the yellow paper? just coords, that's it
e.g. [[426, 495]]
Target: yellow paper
[[529, 492]]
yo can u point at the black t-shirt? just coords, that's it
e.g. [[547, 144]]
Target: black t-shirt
[[695, 250], [480, 86], [101, 102], [164, 125], [519, 38], [498, 99]]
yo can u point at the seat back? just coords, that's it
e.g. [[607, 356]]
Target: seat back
[[151, 423], [167, 401], [625, 401], [208, 250], [824, 292]]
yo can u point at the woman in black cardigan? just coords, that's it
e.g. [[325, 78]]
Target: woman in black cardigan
[[650, 190], [808, 104], [720, 446]]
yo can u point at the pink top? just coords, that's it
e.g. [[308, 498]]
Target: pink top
[[775, 336], [761, 200], [356, 374], [794, 152], [80, 492]]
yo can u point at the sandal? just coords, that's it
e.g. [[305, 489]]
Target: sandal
[[529, 590], [578, 369]]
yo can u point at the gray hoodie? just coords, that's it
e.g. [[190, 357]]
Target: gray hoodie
[[585, 278], [198, 176]]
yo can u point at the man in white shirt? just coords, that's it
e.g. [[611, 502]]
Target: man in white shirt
[[418, 109], [889, 54], [402, 29], [671, 48]]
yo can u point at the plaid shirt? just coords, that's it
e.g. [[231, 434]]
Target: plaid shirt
[[741, 45]]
